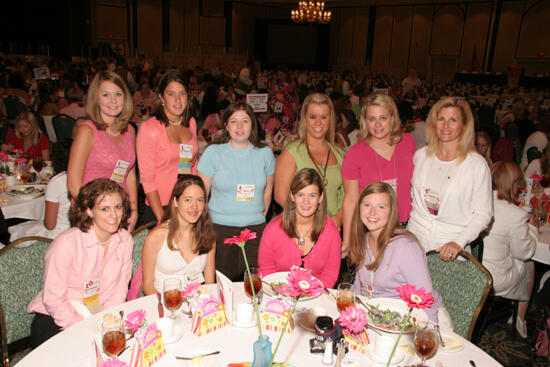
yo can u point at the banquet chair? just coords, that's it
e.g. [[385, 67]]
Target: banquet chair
[[464, 287], [139, 236], [63, 126], [21, 279]]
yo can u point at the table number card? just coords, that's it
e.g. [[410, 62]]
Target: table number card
[[225, 292]]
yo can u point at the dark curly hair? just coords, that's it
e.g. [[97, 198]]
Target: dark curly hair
[[92, 194]]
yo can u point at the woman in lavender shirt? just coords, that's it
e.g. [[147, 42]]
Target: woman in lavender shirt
[[384, 254]]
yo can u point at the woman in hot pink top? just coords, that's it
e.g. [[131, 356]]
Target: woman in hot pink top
[[383, 153], [303, 235], [104, 146], [167, 145]]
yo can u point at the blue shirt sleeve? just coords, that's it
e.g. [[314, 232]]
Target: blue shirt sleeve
[[207, 162]]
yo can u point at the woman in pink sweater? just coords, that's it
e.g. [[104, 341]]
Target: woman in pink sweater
[[167, 145], [303, 235]]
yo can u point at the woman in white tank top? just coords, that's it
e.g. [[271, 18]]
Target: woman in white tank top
[[184, 245]]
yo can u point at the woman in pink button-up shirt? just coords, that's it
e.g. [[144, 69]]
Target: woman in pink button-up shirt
[[89, 264]]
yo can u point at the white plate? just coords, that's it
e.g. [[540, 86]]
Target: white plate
[[41, 188], [398, 305], [178, 333], [279, 277], [397, 357], [208, 361], [448, 338]]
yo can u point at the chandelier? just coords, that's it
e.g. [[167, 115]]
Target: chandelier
[[311, 12]]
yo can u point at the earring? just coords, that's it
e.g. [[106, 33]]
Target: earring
[[292, 205]]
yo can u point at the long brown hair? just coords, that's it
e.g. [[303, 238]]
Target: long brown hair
[[303, 178], [391, 230], [202, 229], [254, 137]]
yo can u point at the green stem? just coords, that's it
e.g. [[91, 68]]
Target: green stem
[[399, 337], [253, 290], [284, 329]]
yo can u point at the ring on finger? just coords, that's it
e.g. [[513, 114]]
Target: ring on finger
[[450, 254]]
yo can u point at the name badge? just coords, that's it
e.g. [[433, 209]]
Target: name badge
[[432, 200], [186, 156], [392, 182], [120, 171], [245, 192], [195, 277], [91, 296]]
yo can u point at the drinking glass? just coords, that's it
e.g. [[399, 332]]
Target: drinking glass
[[256, 275], [113, 338], [425, 340], [345, 296], [172, 295], [23, 173], [37, 164]]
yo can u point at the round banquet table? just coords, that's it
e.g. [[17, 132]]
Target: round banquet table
[[14, 207], [73, 346], [542, 253]]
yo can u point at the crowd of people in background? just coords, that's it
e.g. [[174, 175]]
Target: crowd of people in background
[[374, 169]]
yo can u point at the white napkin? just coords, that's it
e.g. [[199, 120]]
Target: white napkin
[[81, 309]]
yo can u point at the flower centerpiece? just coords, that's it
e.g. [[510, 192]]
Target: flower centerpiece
[[135, 320], [415, 298], [114, 363], [353, 321], [300, 283]]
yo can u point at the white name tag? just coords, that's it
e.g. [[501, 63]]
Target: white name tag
[[245, 192], [120, 171]]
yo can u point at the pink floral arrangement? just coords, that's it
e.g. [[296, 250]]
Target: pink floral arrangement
[[415, 298], [21, 160], [114, 363], [541, 202], [300, 283], [190, 289], [353, 320], [135, 320], [240, 240], [3, 156], [17, 151], [536, 177]]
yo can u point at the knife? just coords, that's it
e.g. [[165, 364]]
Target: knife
[[98, 356], [160, 307], [200, 355]]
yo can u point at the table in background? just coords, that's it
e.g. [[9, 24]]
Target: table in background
[[72, 347], [14, 207], [542, 253]]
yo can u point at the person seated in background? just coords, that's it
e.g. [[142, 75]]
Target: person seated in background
[[87, 267], [144, 99], [184, 245], [75, 109], [302, 235], [29, 138], [384, 254], [56, 216], [510, 243], [483, 145], [45, 101]]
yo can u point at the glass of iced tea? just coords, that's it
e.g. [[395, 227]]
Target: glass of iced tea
[[172, 295], [113, 338], [256, 275], [425, 340], [345, 296]]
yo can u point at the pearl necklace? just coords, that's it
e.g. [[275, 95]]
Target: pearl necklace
[[111, 133], [176, 123]]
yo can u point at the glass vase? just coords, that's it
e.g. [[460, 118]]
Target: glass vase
[[262, 352]]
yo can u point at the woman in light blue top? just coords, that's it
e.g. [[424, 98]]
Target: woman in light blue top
[[237, 170]]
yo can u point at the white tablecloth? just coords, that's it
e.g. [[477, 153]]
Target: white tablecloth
[[542, 253], [73, 346], [14, 207]]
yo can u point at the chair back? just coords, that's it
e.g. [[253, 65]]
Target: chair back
[[21, 279], [139, 235], [464, 287], [63, 126]]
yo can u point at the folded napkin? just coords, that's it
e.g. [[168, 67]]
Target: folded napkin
[[81, 309]]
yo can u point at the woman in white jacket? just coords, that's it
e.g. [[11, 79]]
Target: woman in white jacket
[[451, 185], [510, 243]]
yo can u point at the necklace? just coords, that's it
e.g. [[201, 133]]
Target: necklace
[[105, 242], [302, 239], [175, 123], [111, 133], [324, 173], [235, 150]]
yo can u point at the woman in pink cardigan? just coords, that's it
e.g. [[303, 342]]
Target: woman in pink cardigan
[[167, 145], [303, 235]]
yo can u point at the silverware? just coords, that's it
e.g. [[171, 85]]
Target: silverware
[[200, 355], [441, 341], [472, 363], [98, 356], [330, 294]]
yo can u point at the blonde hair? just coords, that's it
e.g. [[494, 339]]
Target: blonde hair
[[35, 130], [391, 230], [304, 178], [382, 100], [504, 176], [484, 135], [92, 104], [318, 98], [466, 140]]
